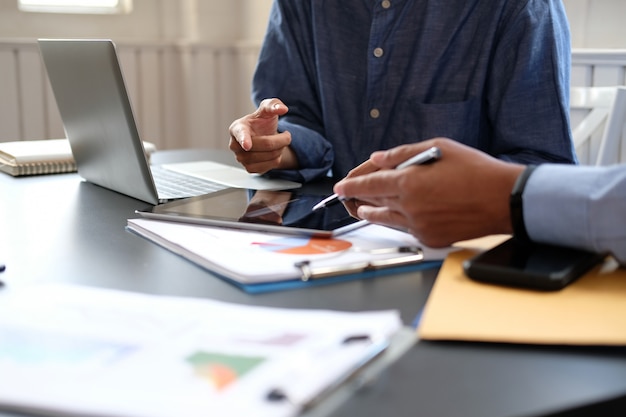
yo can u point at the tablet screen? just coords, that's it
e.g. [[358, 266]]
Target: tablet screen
[[276, 211]]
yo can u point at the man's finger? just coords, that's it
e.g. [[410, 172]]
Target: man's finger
[[382, 215], [270, 107], [378, 184], [242, 136]]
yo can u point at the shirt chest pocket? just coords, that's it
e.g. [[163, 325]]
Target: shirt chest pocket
[[457, 120]]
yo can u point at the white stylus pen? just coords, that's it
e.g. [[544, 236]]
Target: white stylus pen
[[429, 155]]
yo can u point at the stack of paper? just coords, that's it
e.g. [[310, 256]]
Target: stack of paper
[[89, 352]]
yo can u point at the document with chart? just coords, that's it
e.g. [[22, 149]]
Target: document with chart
[[259, 261], [78, 351]]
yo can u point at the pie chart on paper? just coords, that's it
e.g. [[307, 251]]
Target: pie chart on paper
[[305, 246]]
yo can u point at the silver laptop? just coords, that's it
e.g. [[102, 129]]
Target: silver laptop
[[89, 89]]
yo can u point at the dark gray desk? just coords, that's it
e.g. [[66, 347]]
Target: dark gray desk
[[58, 228]]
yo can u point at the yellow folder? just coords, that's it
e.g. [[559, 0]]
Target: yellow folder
[[590, 311]]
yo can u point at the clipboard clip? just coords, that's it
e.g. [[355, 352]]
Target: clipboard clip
[[415, 255], [343, 365]]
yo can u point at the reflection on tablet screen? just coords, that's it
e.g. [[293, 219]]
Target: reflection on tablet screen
[[291, 209]]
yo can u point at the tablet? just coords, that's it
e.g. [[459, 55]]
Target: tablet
[[285, 212]]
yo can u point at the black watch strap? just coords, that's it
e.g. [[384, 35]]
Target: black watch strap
[[517, 206]]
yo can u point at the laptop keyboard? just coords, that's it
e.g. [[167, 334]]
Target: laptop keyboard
[[171, 185]]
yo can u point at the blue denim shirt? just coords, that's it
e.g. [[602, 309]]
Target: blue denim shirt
[[364, 75]]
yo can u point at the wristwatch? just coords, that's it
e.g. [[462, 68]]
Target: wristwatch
[[517, 206]]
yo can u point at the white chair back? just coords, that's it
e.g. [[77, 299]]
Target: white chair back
[[598, 135]]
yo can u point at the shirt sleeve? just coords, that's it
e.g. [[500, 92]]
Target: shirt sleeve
[[315, 154], [529, 86], [288, 42], [583, 207]]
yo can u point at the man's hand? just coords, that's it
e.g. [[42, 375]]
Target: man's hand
[[462, 196], [256, 142]]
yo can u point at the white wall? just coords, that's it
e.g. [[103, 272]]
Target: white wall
[[597, 24], [187, 66], [154, 20]]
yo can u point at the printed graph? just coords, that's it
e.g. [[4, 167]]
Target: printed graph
[[305, 246], [219, 369]]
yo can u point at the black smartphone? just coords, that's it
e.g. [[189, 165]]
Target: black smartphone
[[531, 265]]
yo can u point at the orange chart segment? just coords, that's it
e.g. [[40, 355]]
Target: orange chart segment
[[305, 246]]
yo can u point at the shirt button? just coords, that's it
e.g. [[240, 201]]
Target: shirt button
[[374, 113], [378, 52], [386, 4]]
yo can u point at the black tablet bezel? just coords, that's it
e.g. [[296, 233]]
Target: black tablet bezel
[[231, 200]]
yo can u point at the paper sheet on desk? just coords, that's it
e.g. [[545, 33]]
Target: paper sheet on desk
[[91, 352], [249, 257], [591, 311]]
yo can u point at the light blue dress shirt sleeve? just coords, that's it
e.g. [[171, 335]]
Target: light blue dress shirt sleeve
[[583, 207]]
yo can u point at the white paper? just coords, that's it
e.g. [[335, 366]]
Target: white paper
[[252, 257], [91, 352]]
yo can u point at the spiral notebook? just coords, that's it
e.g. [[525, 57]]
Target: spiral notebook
[[34, 157], [38, 157]]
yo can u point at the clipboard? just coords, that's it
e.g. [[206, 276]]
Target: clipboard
[[373, 251], [342, 365], [364, 274], [243, 364], [414, 255]]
